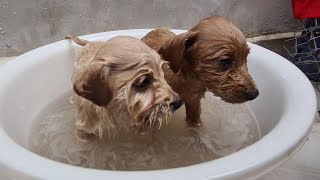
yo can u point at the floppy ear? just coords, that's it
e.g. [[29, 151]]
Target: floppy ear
[[174, 50], [91, 83]]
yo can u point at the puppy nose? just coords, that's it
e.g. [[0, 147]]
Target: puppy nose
[[250, 95], [176, 104]]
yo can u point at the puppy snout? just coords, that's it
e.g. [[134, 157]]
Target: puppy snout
[[251, 95], [176, 104]]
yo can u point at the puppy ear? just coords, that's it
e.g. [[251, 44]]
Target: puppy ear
[[91, 83], [174, 50]]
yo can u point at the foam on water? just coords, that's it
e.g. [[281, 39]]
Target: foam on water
[[226, 129]]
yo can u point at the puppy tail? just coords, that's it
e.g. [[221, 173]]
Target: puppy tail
[[77, 40]]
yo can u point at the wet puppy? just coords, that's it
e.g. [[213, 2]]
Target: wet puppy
[[211, 56], [118, 83]]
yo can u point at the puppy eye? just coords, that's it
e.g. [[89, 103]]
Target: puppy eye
[[225, 63], [143, 83]]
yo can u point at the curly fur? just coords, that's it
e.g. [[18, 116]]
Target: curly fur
[[107, 78]]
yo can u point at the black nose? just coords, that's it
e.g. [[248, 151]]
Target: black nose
[[250, 95], [176, 104]]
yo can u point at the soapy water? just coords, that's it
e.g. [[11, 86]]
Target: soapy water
[[226, 129]]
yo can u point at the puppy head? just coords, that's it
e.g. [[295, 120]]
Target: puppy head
[[215, 52], [126, 74]]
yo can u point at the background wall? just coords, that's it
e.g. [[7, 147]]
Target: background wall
[[27, 24]]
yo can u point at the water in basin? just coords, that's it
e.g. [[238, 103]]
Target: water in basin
[[226, 129]]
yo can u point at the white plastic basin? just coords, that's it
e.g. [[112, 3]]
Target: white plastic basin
[[285, 111]]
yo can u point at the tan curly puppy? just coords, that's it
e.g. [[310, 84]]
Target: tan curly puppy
[[120, 83]]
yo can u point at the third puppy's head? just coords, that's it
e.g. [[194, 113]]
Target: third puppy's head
[[126, 74], [215, 52]]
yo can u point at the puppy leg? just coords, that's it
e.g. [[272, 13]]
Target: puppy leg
[[87, 121], [193, 111]]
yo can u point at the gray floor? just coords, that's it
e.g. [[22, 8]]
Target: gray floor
[[276, 46]]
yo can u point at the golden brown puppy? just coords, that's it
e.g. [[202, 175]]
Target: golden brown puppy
[[211, 56], [119, 83]]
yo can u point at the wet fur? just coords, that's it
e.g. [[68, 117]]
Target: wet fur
[[194, 63], [107, 97]]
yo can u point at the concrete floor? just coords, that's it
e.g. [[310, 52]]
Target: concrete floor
[[305, 164], [276, 46]]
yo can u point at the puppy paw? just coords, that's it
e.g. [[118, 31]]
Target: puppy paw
[[194, 123], [71, 100], [84, 136]]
